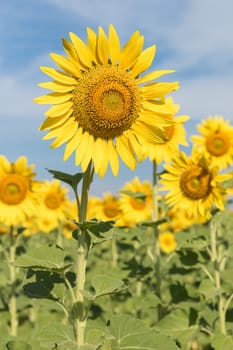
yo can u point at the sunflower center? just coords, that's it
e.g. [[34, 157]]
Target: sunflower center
[[106, 101], [52, 200], [137, 203], [218, 144], [13, 189], [195, 182], [111, 209]]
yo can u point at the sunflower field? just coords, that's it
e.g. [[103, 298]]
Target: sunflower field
[[149, 267]]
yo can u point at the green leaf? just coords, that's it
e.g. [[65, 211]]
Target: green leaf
[[136, 195], [72, 180], [221, 342], [18, 345], [207, 289], [104, 284], [176, 324], [44, 258], [130, 333], [57, 334]]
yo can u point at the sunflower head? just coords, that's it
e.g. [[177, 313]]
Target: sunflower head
[[53, 202], [17, 190], [193, 185], [215, 140], [104, 104], [167, 242]]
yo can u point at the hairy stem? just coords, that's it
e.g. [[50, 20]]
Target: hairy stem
[[155, 217], [82, 255], [217, 274], [12, 270]]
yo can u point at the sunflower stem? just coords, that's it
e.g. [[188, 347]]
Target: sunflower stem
[[82, 255], [216, 259], [12, 282], [155, 216]]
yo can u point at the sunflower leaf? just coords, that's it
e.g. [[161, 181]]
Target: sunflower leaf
[[130, 333], [49, 258], [136, 195], [72, 180]]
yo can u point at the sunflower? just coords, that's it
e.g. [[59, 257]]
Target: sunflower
[[167, 242], [215, 141], [18, 191], [108, 208], [53, 205], [102, 107], [136, 201], [175, 135], [193, 185]]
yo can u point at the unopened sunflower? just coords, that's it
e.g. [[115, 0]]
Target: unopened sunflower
[[215, 140], [18, 191], [103, 107], [193, 185]]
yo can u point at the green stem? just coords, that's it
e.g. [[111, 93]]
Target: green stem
[[12, 270], [82, 255], [155, 217], [114, 251], [217, 275]]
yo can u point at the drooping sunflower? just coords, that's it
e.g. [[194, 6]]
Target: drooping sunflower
[[136, 200], [53, 205], [215, 140], [103, 107], [193, 185], [18, 191], [175, 135]]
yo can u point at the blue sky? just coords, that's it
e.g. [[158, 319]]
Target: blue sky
[[194, 37]]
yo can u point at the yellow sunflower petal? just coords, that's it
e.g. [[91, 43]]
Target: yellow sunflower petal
[[102, 46], [114, 45], [153, 76], [56, 86], [53, 98], [92, 41], [83, 51], [125, 152], [88, 153], [98, 153], [71, 53], [57, 75], [131, 50], [58, 110], [67, 133], [104, 161], [144, 61], [160, 107], [81, 148], [148, 133], [157, 90], [113, 157], [73, 144], [53, 122], [68, 66], [136, 146]]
